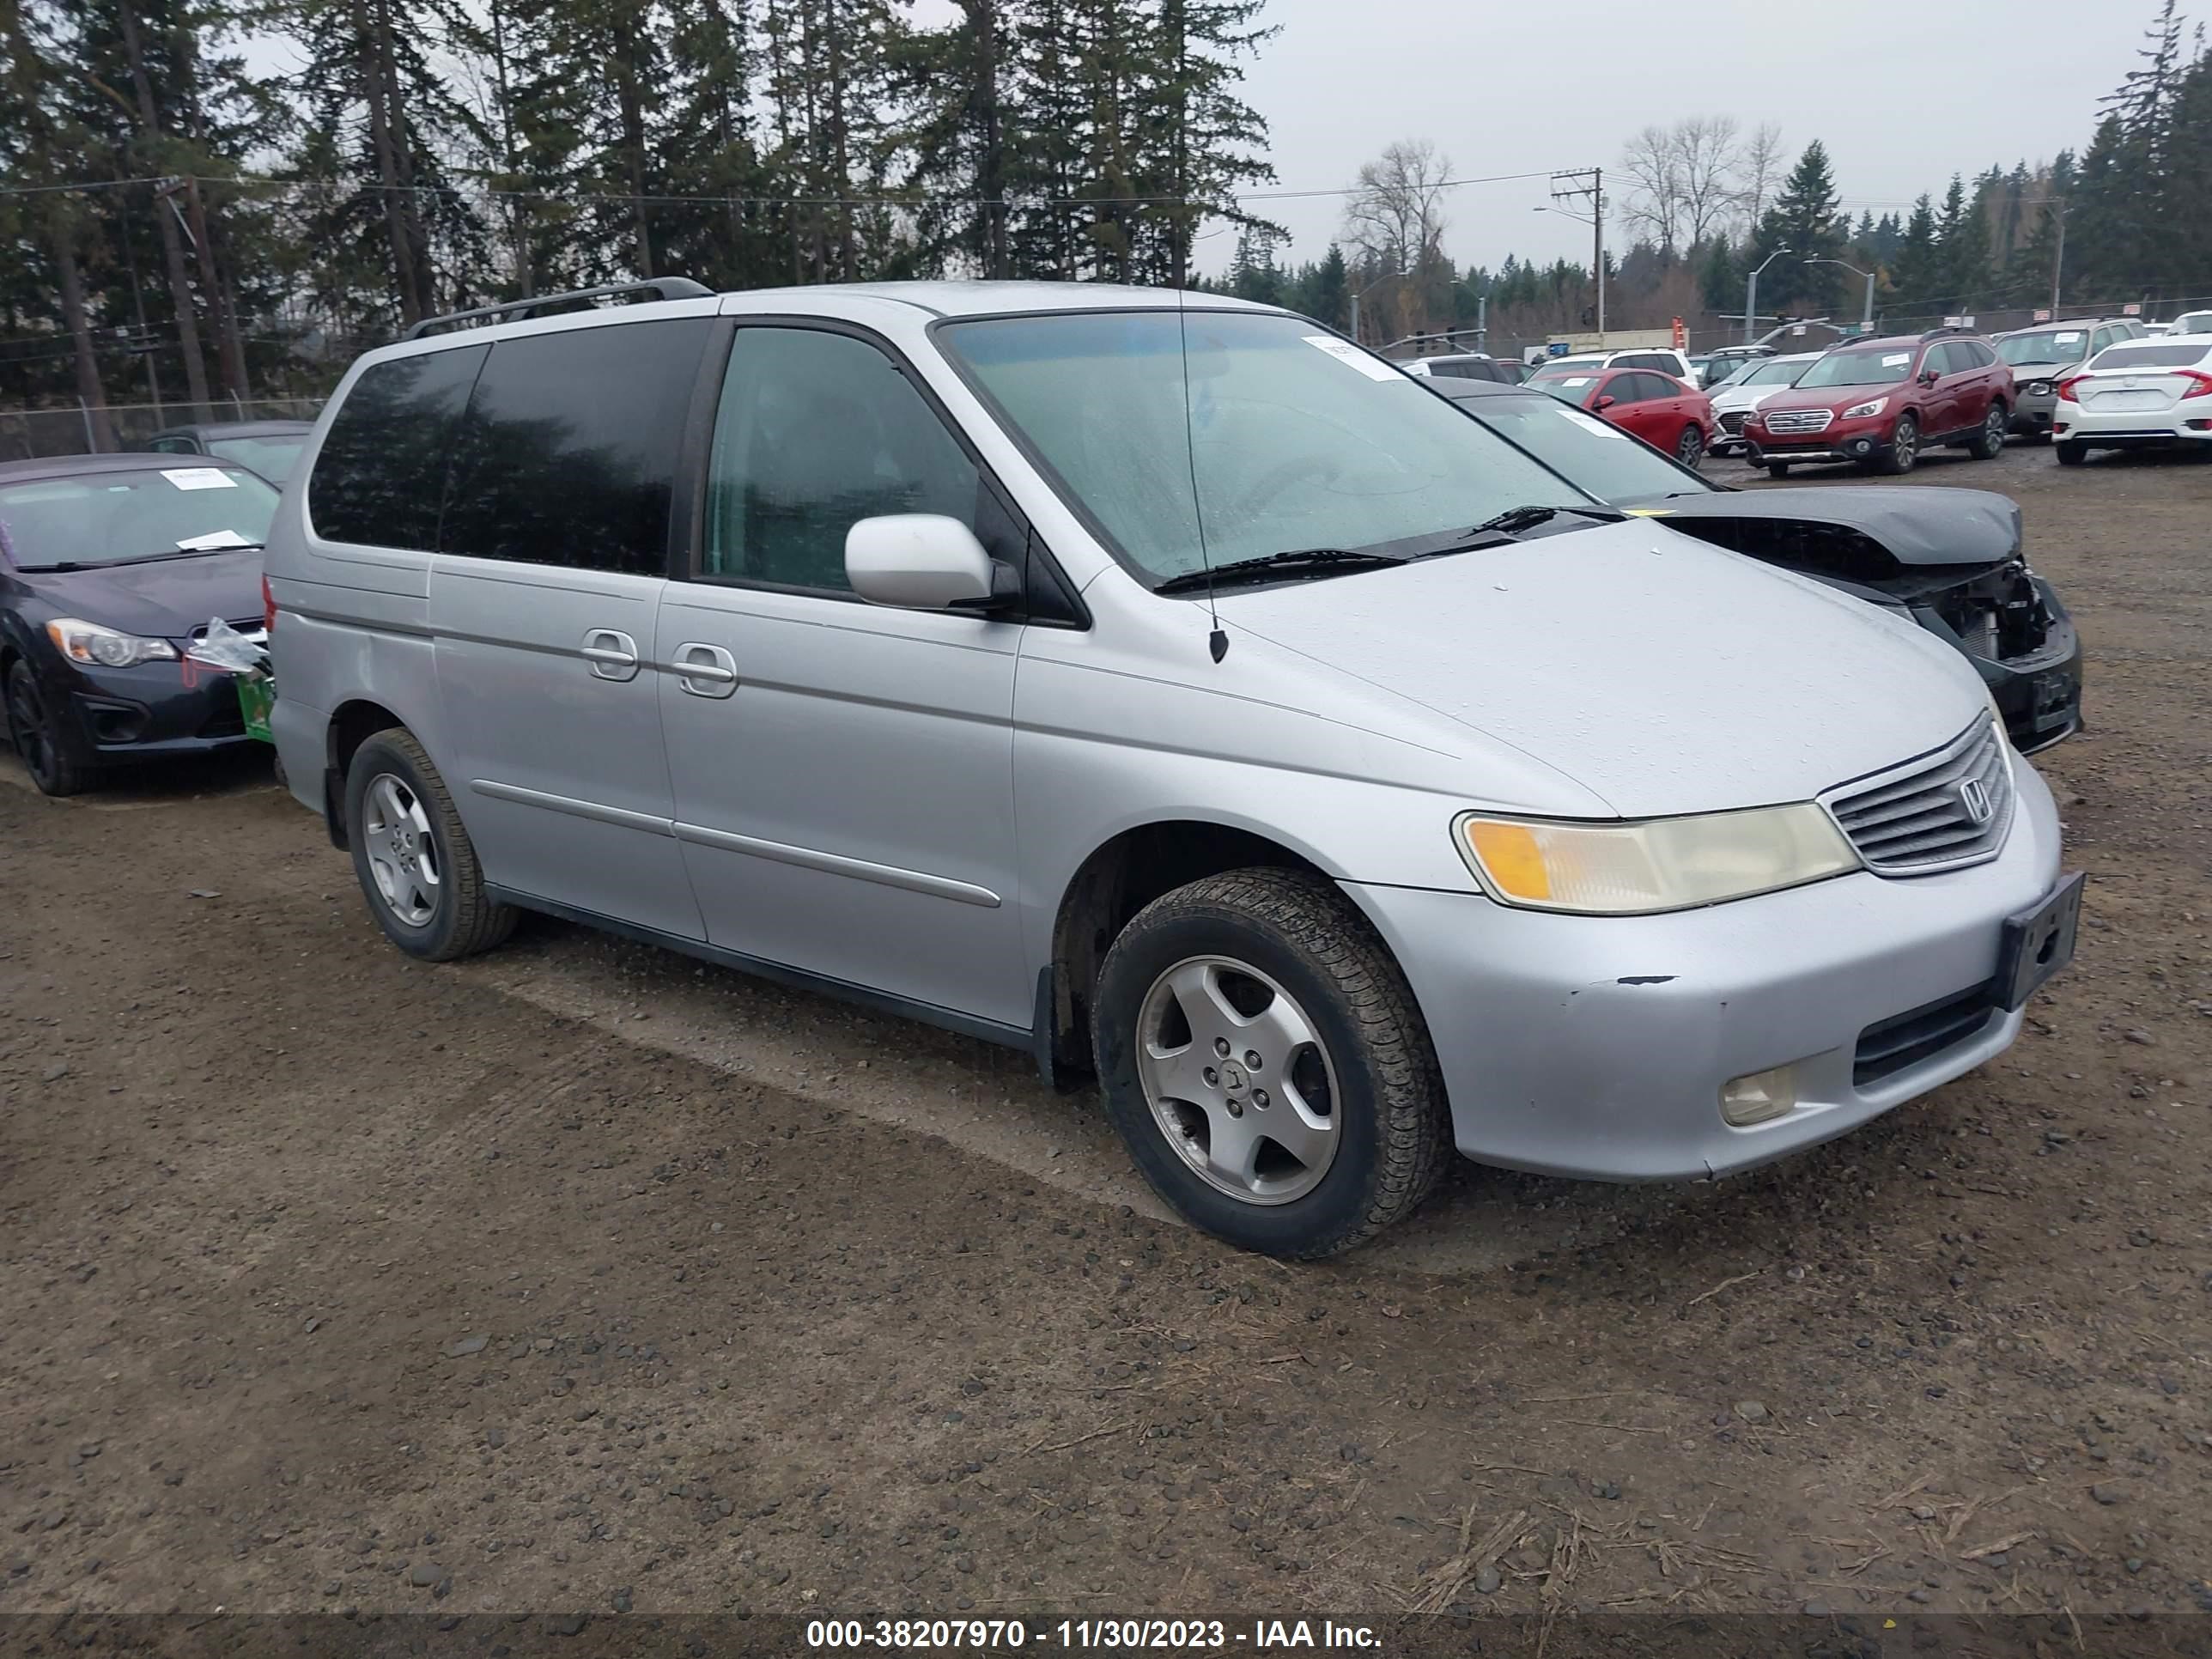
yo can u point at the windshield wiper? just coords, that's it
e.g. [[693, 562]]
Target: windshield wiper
[[1515, 520], [1297, 563]]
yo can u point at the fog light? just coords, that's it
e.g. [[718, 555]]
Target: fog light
[[1759, 1097]]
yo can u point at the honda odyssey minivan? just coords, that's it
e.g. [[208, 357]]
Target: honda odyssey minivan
[[1167, 687]]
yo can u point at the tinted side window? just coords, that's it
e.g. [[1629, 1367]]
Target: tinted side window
[[380, 476], [816, 432], [568, 455], [1982, 355]]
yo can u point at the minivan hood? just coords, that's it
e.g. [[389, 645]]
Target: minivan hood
[[159, 598], [1664, 675]]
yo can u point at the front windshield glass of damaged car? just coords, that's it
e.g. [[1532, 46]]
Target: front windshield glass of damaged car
[[1281, 437]]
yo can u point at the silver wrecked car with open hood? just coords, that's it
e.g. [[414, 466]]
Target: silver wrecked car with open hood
[[1174, 691]]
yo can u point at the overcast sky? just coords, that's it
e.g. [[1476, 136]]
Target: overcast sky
[[1518, 86]]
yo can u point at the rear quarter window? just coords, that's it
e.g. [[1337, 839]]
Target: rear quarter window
[[380, 476]]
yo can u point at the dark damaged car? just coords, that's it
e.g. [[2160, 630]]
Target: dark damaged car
[[1951, 560], [111, 568]]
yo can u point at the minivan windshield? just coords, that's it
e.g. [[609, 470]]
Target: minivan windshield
[[1276, 438], [126, 517], [1875, 367], [271, 457], [2049, 345], [1602, 459]]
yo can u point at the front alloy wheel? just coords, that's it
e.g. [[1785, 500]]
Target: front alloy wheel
[[1237, 1080], [32, 731], [1904, 447]]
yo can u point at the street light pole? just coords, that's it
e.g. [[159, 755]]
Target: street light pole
[[1866, 321], [1751, 295], [1360, 293]]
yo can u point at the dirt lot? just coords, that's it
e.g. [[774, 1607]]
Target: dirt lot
[[583, 1277]]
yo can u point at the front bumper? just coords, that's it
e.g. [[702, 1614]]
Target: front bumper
[[2038, 696], [1596, 1047], [2032, 410], [1861, 440], [112, 716]]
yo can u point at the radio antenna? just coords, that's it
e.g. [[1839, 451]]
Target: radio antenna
[[1217, 642]]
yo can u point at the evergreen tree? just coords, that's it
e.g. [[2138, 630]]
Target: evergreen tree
[[1916, 273], [1962, 248], [1803, 219]]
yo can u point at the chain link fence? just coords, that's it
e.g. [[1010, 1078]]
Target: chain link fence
[[74, 429]]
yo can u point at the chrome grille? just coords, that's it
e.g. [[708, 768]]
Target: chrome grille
[[1732, 421], [1790, 422], [1938, 812]]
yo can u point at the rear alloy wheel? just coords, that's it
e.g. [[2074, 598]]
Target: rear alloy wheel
[[1904, 447], [413, 857], [1264, 1063], [38, 742], [2069, 451], [1988, 442], [1692, 448]]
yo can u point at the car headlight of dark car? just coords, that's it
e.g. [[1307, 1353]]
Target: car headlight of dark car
[[2039, 387], [97, 646]]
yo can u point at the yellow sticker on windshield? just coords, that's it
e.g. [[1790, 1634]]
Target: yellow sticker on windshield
[[1649, 512]]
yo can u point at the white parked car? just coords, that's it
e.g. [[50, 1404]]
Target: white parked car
[[1666, 361], [2146, 394], [2191, 322], [1749, 386]]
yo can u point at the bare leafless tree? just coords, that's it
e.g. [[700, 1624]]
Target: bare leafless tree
[[1708, 156], [1651, 207], [1395, 217], [1758, 172]]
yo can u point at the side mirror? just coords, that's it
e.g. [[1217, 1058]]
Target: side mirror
[[1929, 377], [925, 561], [1604, 403]]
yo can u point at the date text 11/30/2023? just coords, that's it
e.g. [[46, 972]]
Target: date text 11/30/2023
[[1155, 1635]]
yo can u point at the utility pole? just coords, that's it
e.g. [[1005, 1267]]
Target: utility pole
[[1587, 185], [1751, 296]]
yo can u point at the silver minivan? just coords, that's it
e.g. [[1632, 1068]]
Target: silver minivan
[[1167, 687]]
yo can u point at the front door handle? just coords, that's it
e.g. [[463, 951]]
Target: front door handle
[[611, 653], [706, 671]]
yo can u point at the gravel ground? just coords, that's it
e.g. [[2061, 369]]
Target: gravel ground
[[582, 1277]]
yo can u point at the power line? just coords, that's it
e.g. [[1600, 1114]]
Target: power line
[[363, 186]]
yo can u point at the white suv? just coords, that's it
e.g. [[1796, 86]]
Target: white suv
[[1667, 361]]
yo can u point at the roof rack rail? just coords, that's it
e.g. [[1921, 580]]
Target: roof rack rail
[[661, 288]]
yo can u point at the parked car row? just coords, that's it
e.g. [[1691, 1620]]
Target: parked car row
[[1342, 772]]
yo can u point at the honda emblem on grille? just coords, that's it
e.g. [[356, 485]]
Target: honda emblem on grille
[[1976, 800]]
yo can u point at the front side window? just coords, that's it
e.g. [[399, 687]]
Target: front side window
[[1271, 436], [379, 478], [815, 432], [129, 517], [568, 455]]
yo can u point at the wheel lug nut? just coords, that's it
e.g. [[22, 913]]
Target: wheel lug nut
[[1236, 1106], [1221, 1047], [1212, 1077], [1251, 1060], [1260, 1098]]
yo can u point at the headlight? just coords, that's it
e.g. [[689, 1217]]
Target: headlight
[[1872, 406], [2039, 387], [89, 642], [1662, 864]]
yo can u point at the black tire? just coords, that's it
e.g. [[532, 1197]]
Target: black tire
[[1990, 442], [465, 920], [2070, 451], [37, 738], [1395, 1130], [1778, 469], [1689, 448], [1904, 451]]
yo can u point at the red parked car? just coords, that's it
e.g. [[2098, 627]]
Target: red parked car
[[1884, 403], [1663, 412]]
